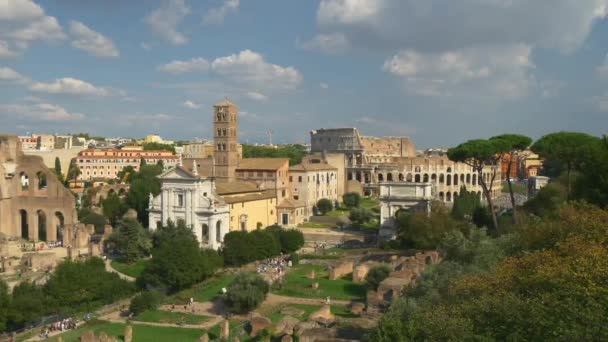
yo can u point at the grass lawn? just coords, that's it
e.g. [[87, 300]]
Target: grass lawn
[[518, 188], [161, 316], [141, 333], [338, 212], [369, 203], [275, 315], [203, 292], [315, 225], [134, 270], [296, 284]]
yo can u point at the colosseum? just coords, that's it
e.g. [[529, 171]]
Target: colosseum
[[34, 205], [372, 161]]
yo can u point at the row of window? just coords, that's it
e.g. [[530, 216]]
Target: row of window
[[315, 178]]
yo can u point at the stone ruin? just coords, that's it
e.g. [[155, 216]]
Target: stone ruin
[[340, 270]]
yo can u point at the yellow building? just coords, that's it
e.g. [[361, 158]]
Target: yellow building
[[250, 207]]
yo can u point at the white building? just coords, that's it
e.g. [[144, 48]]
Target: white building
[[398, 196], [187, 196]]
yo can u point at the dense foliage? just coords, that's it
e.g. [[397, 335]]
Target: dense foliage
[[376, 275], [294, 153], [177, 261], [360, 216], [147, 300], [142, 184], [351, 199], [73, 287], [244, 247], [246, 292], [325, 205], [130, 240], [152, 146], [113, 208], [422, 231], [87, 216]]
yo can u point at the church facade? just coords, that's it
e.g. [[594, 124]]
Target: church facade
[[187, 197]]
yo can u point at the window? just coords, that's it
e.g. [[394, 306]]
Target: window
[[180, 200], [290, 179], [299, 179], [296, 198], [283, 193]]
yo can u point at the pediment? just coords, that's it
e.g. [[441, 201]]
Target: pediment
[[177, 173]]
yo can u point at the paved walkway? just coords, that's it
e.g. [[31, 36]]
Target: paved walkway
[[109, 268]]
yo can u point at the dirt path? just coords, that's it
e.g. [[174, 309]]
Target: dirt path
[[109, 268], [274, 299]]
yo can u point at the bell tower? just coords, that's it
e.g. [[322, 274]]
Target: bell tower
[[225, 138]]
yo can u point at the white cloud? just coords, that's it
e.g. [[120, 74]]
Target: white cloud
[[9, 75], [191, 105], [92, 42], [250, 67], [164, 21], [331, 43], [181, 67], [347, 11], [40, 112], [257, 96], [324, 86], [71, 86], [498, 71], [217, 15], [23, 22]]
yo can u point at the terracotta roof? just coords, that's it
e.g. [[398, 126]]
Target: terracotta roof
[[235, 187], [268, 164], [312, 167], [288, 203], [256, 196]]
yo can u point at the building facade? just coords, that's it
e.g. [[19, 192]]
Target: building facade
[[225, 138], [187, 197], [311, 182], [34, 205], [250, 207], [266, 173], [107, 163]]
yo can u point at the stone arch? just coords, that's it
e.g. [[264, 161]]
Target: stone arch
[[389, 177], [425, 178], [218, 231], [441, 180], [461, 178], [441, 196], [401, 177], [60, 219], [409, 177], [380, 177], [428, 260], [42, 181], [25, 181], [417, 178], [42, 231], [448, 197], [25, 231], [449, 169], [448, 180], [474, 179], [205, 233], [455, 179], [468, 178], [434, 178]]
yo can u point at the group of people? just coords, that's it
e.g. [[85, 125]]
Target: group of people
[[275, 266], [62, 325]]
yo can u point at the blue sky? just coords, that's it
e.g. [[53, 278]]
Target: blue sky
[[438, 71]]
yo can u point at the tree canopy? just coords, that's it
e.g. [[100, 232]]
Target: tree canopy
[[294, 152]]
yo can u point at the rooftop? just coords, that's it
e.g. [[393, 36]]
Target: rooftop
[[312, 167], [270, 164]]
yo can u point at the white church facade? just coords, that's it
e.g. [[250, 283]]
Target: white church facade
[[187, 196]]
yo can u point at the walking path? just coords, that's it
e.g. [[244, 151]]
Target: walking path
[[109, 268], [274, 299]]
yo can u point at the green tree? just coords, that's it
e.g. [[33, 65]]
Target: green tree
[[237, 248], [28, 304], [73, 171], [291, 240], [465, 204], [376, 275], [158, 147], [423, 231], [570, 149], [324, 205], [483, 156], [548, 199], [4, 305], [294, 153], [87, 216], [360, 216], [512, 145], [113, 208], [57, 170], [351, 199], [142, 184], [147, 300], [131, 240], [246, 292]]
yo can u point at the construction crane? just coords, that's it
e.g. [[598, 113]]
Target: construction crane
[[269, 134]]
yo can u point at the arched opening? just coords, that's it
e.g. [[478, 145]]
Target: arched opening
[[425, 178], [41, 225], [42, 183], [122, 192], [448, 180], [218, 232], [205, 234], [448, 197], [475, 179], [441, 178], [389, 177], [25, 181], [367, 178], [468, 178], [434, 178], [350, 176], [358, 176], [380, 177], [455, 179], [441, 196], [60, 225], [24, 224], [401, 177], [428, 260], [461, 178], [417, 178], [409, 177], [449, 169]]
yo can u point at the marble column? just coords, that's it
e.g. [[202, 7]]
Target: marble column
[[187, 205], [212, 230], [171, 203], [164, 205]]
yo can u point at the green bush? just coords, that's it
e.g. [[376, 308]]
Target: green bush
[[244, 247], [246, 292], [360, 215], [324, 205], [87, 216], [351, 199], [376, 275], [295, 258], [147, 300], [291, 240]]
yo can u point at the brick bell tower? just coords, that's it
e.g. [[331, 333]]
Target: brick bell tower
[[225, 138]]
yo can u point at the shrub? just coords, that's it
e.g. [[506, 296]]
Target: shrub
[[351, 199], [246, 292], [295, 258], [360, 215], [291, 240], [324, 205], [376, 275], [147, 300]]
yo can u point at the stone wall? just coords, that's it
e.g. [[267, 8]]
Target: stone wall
[[340, 270]]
